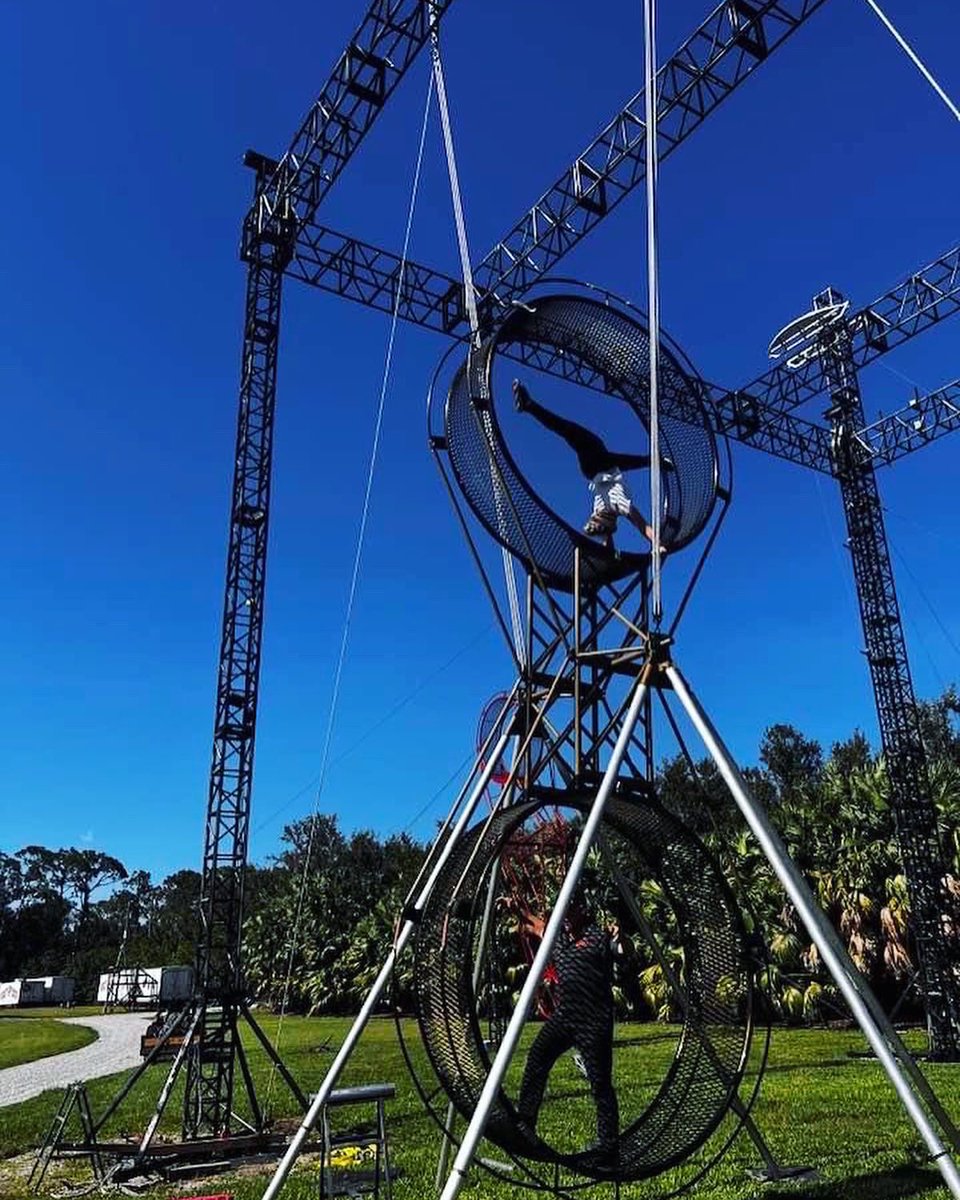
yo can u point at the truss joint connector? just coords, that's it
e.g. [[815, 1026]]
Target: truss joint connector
[[654, 672]]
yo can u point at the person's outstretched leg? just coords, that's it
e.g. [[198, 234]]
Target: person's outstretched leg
[[592, 454]]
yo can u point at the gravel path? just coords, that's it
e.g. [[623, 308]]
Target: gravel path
[[116, 1048]]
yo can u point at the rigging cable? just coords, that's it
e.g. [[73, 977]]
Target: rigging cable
[[470, 300], [653, 290], [914, 57], [355, 576]]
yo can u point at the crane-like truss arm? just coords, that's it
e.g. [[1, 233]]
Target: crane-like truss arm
[[922, 421], [927, 297], [736, 37], [356, 270], [388, 40], [715, 59]]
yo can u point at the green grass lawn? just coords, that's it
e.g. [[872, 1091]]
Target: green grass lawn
[[23, 1041], [51, 1014], [820, 1104]]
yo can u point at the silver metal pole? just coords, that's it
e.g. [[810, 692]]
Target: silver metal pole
[[834, 955], [373, 996], [511, 1037]]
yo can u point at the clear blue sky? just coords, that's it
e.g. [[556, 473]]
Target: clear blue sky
[[119, 366]]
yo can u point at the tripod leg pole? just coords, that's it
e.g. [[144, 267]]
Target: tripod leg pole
[[834, 955], [511, 1037], [292, 1153]]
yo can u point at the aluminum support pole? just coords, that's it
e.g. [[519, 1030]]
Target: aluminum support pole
[[511, 1037], [383, 978], [838, 962]]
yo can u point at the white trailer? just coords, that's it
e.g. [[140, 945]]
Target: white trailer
[[146, 986], [17, 993]]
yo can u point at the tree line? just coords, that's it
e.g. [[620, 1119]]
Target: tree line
[[320, 913]]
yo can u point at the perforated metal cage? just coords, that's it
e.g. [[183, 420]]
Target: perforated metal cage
[[713, 973], [591, 342]]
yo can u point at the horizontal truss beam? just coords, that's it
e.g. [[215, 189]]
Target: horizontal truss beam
[[381, 50], [922, 421], [733, 41], [371, 276], [927, 297]]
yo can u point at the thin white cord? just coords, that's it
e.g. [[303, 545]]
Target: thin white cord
[[355, 576], [470, 300], [653, 289], [470, 295], [914, 57]]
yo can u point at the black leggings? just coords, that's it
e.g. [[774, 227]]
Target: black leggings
[[590, 449], [592, 1035]]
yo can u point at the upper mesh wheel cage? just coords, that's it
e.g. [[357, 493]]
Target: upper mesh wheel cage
[[593, 343]]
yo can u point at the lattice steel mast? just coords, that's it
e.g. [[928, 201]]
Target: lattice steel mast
[[208, 1099], [897, 714]]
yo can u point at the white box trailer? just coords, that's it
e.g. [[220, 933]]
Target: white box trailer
[[16, 993], [147, 986], [57, 989]]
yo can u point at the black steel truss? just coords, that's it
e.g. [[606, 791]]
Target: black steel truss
[[921, 421], [735, 39], [886, 652], [378, 55], [208, 1097], [926, 298]]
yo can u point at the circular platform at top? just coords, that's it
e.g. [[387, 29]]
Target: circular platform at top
[[605, 348]]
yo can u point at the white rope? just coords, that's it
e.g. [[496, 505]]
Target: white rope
[[914, 57], [355, 576], [470, 301], [653, 290]]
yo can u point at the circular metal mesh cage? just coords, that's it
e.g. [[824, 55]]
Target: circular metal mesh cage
[[593, 343], [712, 985]]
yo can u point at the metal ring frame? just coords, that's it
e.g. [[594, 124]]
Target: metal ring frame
[[597, 341], [701, 1082]]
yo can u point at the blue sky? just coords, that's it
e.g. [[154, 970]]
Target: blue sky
[[119, 368]]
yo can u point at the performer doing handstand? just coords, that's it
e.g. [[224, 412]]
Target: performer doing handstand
[[604, 468]]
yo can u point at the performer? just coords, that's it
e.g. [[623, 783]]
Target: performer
[[582, 1020], [603, 467]]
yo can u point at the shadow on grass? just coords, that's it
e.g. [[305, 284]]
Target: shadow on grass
[[808, 1065], [907, 1180]]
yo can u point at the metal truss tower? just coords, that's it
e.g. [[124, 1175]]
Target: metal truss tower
[[208, 1099], [886, 653]]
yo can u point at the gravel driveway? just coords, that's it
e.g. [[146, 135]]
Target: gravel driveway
[[116, 1048]]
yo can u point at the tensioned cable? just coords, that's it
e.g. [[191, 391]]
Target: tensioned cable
[[914, 57], [470, 300], [355, 576], [653, 288]]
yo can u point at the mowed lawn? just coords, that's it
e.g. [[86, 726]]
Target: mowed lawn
[[823, 1103], [23, 1040]]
